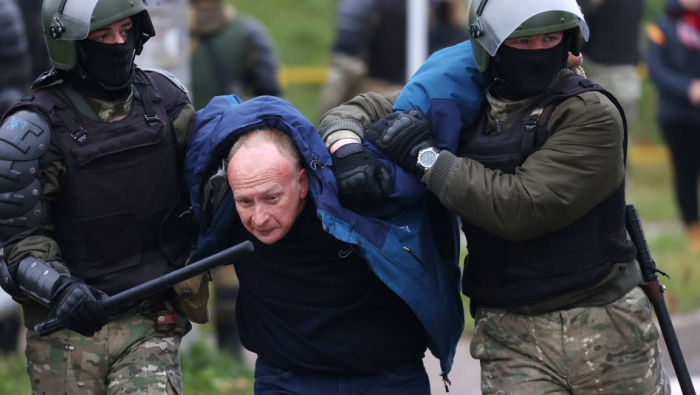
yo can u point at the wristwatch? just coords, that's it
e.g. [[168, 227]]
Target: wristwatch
[[426, 159]]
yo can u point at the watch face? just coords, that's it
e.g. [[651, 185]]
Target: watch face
[[427, 158]]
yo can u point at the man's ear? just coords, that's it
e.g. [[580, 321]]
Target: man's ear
[[303, 184]]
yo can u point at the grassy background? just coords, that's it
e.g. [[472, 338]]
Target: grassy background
[[303, 32]]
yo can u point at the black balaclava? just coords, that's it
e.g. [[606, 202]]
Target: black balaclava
[[522, 73], [105, 71]]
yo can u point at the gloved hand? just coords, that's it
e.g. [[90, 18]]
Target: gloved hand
[[77, 304], [363, 182], [401, 135]]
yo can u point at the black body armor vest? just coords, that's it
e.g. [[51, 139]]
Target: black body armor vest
[[387, 47], [117, 220], [500, 272]]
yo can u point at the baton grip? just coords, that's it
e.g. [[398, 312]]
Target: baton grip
[[52, 325], [158, 284], [634, 228]]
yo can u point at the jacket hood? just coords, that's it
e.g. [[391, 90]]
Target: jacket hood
[[226, 117]]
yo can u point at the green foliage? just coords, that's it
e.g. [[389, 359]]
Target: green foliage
[[650, 189], [653, 9], [646, 129], [670, 254], [13, 374], [306, 99], [303, 31], [207, 371]]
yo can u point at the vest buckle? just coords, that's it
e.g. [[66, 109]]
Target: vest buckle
[[533, 119], [151, 119], [530, 125], [79, 135]]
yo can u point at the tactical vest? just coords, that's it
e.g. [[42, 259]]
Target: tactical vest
[[500, 272], [117, 219], [218, 63], [387, 46]]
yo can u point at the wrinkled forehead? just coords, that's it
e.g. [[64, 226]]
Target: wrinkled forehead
[[252, 165]]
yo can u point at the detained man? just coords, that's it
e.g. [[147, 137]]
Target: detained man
[[330, 301]]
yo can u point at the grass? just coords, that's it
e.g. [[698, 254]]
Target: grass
[[206, 371], [13, 374], [303, 32]]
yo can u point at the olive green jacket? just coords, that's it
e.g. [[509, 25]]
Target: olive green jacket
[[579, 166]]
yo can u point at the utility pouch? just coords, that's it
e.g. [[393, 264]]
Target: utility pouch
[[192, 296]]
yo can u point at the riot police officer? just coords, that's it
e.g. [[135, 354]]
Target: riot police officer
[[92, 180], [531, 157]]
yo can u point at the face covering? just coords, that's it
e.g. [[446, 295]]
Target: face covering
[[522, 73], [112, 65]]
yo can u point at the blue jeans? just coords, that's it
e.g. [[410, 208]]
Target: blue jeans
[[409, 379]]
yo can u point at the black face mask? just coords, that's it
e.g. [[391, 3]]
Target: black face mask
[[111, 65], [522, 73]]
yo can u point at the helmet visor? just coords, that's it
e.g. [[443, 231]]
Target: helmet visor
[[74, 20], [497, 24]]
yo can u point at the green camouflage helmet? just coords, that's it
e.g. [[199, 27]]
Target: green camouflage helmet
[[491, 22], [60, 41]]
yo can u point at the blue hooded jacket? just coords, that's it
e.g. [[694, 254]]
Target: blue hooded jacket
[[404, 251], [449, 90]]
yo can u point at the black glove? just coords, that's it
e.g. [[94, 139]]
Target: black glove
[[401, 136], [363, 183], [76, 304]]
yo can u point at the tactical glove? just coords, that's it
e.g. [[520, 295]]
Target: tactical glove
[[77, 304], [401, 135], [363, 182]]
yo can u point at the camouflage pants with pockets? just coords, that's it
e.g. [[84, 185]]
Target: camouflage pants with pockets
[[610, 349], [128, 356]]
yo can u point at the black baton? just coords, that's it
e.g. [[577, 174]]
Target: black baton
[[156, 285], [655, 292]]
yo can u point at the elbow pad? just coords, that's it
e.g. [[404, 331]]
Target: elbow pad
[[24, 137]]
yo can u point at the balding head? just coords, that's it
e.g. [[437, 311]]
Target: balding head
[[268, 183]]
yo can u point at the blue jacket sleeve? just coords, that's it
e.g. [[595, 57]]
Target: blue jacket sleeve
[[449, 90]]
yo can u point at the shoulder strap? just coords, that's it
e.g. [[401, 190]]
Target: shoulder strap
[[142, 84], [573, 85]]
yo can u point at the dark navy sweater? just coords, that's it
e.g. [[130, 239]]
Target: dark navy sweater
[[307, 303]]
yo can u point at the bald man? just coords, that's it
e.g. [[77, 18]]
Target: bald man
[[309, 306]]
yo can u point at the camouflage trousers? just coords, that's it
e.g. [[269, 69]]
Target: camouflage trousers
[[128, 356], [610, 349]]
